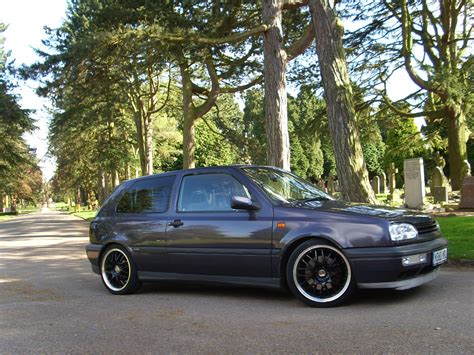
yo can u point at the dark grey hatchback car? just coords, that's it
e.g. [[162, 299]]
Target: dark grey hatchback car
[[258, 225]]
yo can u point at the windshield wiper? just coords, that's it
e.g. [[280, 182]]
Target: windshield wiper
[[311, 199]]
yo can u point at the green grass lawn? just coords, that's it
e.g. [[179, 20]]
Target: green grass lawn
[[25, 210], [61, 206], [87, 215], [459, 231]]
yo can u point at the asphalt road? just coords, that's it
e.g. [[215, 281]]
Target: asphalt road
[[51, 302]]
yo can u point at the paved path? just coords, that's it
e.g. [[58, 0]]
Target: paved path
[[50, 302]]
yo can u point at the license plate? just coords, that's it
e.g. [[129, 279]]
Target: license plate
[[440, 256]]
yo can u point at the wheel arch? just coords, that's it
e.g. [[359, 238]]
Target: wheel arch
[[110, 244], [295, 243]]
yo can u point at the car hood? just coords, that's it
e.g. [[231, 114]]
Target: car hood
[[384, 212]]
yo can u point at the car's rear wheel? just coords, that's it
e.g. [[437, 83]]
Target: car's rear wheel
[[118, 271], [319, 274]]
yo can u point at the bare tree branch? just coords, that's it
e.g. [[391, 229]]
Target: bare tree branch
[[235, 89], [301, 44], [233, 38], [441, 113], [294, 4], [202, 109]]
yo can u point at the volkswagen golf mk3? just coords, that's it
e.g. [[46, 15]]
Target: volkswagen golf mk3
[[256, 225]]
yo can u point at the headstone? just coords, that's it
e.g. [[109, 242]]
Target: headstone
[[437, 176], [383, 183], [439, 160], [331, 184], [414, 174], [376, 185], [322, 185], [394, 197], [467, 193], [14, 206], [466, 169], [392, 175], [440, 194]]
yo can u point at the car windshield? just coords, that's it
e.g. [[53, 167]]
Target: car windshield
[[283, 187]]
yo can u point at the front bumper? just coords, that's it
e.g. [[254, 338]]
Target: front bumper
[[383, 268], [93, 254]]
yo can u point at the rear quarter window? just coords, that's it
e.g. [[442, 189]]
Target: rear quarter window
[[147, 196]]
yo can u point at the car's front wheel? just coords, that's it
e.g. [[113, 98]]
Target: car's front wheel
[[118, 271], [319, 274]]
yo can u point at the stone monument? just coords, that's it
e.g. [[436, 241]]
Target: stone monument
[[383, 183], [376, 184], [440, 194], [467, 193], [466, 169], [437, 176], [414, 174], [331, 184], [322, 185], [392, 177]]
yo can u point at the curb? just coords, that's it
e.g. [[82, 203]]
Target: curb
[[463, 263]]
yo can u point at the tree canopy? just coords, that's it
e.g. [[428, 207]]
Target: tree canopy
[[141, 87], [20, 176]]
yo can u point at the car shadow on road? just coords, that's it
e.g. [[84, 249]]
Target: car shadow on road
[[385, 296], [373, 297], [224, 290]]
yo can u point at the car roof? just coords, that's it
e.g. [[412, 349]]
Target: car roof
[[204, 169]]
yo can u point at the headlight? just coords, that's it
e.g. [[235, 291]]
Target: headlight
[[402, 231]]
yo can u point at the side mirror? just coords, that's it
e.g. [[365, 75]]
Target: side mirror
[[243, 203]]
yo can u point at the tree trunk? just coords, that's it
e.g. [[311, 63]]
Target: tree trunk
[[101, 186], [1, 202], [149, 145], [115, 179], [350, 165], [457, 152], [78, 199], [106, 185], [140, 142], [128, 172], [276, 115], [189, 138]]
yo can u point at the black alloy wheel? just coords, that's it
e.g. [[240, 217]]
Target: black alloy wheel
[[319, 274], [118, 271]]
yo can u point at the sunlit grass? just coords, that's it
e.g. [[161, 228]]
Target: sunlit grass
[[86, 215], [459, 231], [25, 210]]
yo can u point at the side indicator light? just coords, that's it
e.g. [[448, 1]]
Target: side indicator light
[[281, 225]]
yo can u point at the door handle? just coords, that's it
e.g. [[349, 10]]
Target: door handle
[[176, 223]]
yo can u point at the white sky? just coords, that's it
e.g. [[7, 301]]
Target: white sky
[[26, 19]]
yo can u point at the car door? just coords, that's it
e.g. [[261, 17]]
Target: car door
[[206, 236], [141, 217]]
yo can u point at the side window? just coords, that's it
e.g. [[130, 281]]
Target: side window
[[209, 192], [147, 196]]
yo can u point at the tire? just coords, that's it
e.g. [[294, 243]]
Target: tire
[[319, 274], [118, 271]]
